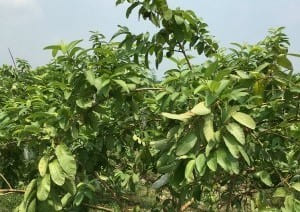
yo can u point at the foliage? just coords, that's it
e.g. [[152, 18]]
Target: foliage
[[94, 126]]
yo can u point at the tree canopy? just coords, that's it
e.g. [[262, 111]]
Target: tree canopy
[[95, 127]]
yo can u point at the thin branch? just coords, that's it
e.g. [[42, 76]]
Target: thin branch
[[12, 58], [149, 89], [97, 207], [186, 205], [6, 181], [11, 191], [185, 56]]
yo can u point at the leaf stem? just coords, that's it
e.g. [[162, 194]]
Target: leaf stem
[[185, 56]]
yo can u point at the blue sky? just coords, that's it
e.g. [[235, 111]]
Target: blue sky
[[29, 25]]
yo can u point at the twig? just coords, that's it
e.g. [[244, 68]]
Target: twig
[[6, 181], [12, 58], [185, 56], [186, 205], [97, 207], [149, 89], [12, 191]]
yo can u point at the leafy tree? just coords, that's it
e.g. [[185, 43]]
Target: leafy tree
[[94, 125]]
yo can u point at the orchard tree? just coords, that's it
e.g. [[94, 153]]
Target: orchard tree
[[94, 126]]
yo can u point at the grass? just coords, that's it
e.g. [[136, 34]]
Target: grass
[[9, 201]]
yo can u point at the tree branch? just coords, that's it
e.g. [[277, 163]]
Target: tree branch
[[185, 56], [6, 181]]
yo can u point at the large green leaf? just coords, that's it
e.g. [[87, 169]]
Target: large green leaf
[[201, 109], [244, 154], [212, 162], [285, 62], [235, 130], [296, 186], [43, 187], [189, 171], [222, 159], [66, 160], [232, 145], [265, 177], [43, 165], [200, 164], [244, 119], [186, 144], [123, 85], [57, 173], [181, 117], [208, 128]]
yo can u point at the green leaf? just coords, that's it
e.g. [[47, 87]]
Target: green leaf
[[265, 177], [90, 77], [84, 103], [261, 67], [285, 62], [123, 85], [43, 165], [181, 117], [296, 186], [189, 171], [70, 186], [66, 160], [29, 190], [222, 159], [163, 180], [186, 144], [200, 109], [130, 8], [244, 119], [43, 187], [280, 192], [66, 199], [32, 206], [212, 162], [179, 20], [57, 173], [232, 145], [208, 128], [101, 83], [166, 163], [209, 147], [235, 130], [168, 15], [244, 154], [200, 164]]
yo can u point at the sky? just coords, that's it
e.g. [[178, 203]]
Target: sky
[[29, 25]]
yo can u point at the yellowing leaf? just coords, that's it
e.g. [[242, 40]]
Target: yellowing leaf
[[189, 171], [235, 130], [200, 164], [296, 186], [200, 109], [181, 117], [57, 173], [43, 165], [66, 160], [212, 162], [244, 119], [208, 128], [232, 145], [43, 187]]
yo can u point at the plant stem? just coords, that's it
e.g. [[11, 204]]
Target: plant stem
[[185, 56]]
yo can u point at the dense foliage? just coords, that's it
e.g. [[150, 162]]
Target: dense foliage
[[94, 126]]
